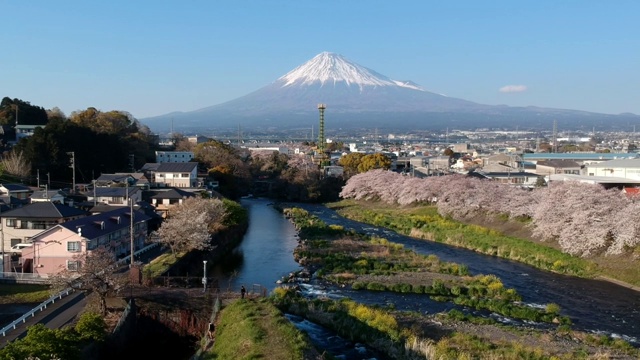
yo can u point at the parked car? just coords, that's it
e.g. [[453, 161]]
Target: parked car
[[17, 248]]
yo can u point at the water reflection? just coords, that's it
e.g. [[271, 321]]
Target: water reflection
[[265, 254]]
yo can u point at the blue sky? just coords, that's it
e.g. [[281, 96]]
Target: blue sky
[[154, 57]]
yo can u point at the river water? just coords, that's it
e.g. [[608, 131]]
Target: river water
[[266, 255]]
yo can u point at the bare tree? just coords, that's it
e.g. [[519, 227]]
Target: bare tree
[[96, 272], [15, 163]]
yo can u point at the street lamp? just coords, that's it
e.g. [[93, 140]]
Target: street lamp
[[204, 278]]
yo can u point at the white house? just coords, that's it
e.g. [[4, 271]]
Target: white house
[[174, 156], [54, 196], [619, 168], [181, 175]]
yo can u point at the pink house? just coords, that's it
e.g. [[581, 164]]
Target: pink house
[[54, 249]]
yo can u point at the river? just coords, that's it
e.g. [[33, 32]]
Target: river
[[265, 255]]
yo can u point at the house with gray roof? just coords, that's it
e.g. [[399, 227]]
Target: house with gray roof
[[163, 201], [18, 191], [557, 166], [54, 196], [179, 175], [56, 248], [107, 180], [123, 180], [113, 195], [21, 224]]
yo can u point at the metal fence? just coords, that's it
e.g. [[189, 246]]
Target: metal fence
[[31, 278], [32, 313], [26, 277]]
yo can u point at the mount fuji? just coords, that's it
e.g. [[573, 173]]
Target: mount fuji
[[358, 97]]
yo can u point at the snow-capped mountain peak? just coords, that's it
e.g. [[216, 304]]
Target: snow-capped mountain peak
[[330, 68]]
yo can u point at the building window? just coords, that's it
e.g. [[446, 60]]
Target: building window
[[11, 222], [73, 246], [73, 265], [185, 175]]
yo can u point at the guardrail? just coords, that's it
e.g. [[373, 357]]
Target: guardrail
[[59, 295], [32, 313], [127, 258]]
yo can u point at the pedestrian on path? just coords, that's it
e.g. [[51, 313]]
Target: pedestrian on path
[[242, 291]]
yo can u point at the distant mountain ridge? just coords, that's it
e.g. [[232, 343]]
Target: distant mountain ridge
[[358, 97]]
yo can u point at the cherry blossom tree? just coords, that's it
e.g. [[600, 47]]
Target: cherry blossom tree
[[627, 229], [581, 217], [584, 219], [191, 224]]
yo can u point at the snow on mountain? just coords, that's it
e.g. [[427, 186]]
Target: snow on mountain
[[330, 68], [358, 97], [409, 84]]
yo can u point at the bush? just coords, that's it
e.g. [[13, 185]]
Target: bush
[[376, 286], [552, 309], [359, 285]]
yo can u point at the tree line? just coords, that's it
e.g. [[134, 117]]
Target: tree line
[[583, 219]]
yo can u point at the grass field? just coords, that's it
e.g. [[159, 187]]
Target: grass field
[[256, 329], [23, 293]]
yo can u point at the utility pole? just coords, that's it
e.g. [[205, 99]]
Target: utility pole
[[38, 177], [48, 180], [132, 236], [15, 106], [555, 136], [72, 165]]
